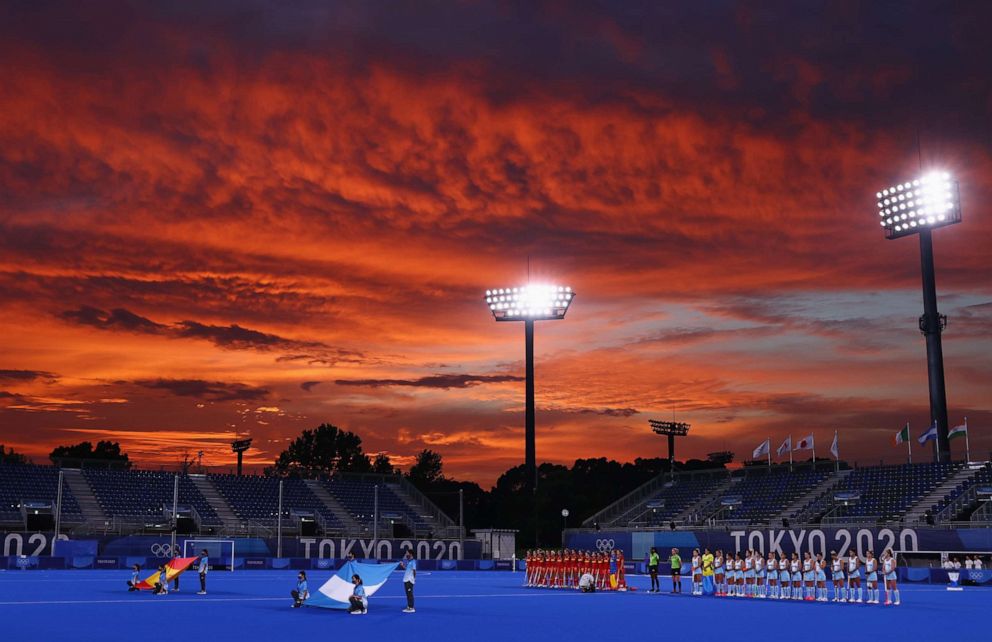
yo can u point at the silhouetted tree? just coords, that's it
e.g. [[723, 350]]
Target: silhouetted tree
[[109, 451], [427, 470], [12, 457], [323, 451], [383, 466]]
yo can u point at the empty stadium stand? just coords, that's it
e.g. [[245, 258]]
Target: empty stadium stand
[[101, 500], [876, 494], [142, 496], [962, 502], [23, 485]]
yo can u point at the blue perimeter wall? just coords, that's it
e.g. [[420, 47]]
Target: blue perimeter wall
[[636, 544]]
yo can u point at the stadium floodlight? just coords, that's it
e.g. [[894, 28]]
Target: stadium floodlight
[[671, 429], [919, 206], [240, 446], [530, 303]]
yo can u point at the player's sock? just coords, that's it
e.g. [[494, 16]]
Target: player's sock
[[896, 594]]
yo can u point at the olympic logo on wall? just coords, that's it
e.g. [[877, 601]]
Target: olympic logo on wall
[[605, 545], [161, 550]]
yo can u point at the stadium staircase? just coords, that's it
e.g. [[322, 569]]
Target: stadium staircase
[[230, 521], [792, 511], [333, 505], [698, 511], [441, 524], [93, 516], [918, 512], [962, 503], [628, 502]]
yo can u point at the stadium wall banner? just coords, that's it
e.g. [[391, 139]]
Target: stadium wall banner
[[637, 544], [159, 546]]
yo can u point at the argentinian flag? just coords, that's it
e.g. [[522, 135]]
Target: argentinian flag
[[335, 592]]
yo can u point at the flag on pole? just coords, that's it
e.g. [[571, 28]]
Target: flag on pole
[[806, 443], [930, 434], [834, 449], [903, 435], [763, 449], [958, 431], [786, 446]]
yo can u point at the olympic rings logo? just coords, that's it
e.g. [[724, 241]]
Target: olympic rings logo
[[162, 550], [605, 545]]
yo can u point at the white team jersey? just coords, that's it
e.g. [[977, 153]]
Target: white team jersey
[[888, 566], [870, 565], [759, 564], [795, 566], [836, 566], [772, 565], [737, 565], [852, 564], [695, 561], [718, 563], [807, 565], [748, 564]]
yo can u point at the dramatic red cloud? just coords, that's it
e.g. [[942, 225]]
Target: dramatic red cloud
[[201, 238]]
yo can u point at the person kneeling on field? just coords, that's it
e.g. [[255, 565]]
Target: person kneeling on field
[[162, 585], [300, 593], [587, 583], [132, 584], [359, 603]]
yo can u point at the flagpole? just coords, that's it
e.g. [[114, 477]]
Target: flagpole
[[967, 446], [770, 449], [790, 453], [936, 442], [909, 442]]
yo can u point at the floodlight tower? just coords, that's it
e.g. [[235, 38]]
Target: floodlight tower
[[530, 303], [671, 429], [917, 207], [240, 446]]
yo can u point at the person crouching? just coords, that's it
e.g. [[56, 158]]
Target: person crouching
[[300, 593], [359, 604]]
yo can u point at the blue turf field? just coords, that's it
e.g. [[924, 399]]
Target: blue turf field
[[252, 606]]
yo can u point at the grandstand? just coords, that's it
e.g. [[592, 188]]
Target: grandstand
[[133, 501], [803, 494]]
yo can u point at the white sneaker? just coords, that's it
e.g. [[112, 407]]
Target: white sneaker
[[896, 603], [409, 610], [201, 592]]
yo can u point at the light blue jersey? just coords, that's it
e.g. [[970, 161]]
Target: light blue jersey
[[410, 573]]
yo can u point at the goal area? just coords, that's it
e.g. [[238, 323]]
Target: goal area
[[218, 551]]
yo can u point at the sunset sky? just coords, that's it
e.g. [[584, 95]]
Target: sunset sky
[[250, 217]]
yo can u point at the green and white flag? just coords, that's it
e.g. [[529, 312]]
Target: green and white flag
[[903, 435], [958, 431]]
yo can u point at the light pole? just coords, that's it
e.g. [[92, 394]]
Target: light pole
[[529, 303], [564, 525], [917, 207], [671, 429]]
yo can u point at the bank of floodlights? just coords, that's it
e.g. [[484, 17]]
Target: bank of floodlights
[[930, 201], [529, 302]]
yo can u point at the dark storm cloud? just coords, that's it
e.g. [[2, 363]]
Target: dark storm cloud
[[116, 319], [206, 390], [436, 381], [610, 412], [916, 63], [231, 337], [27, 375], [310, 385], [234, 337]]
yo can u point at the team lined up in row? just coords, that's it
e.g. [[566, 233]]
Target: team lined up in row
[[782, 577], [565, 569]]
